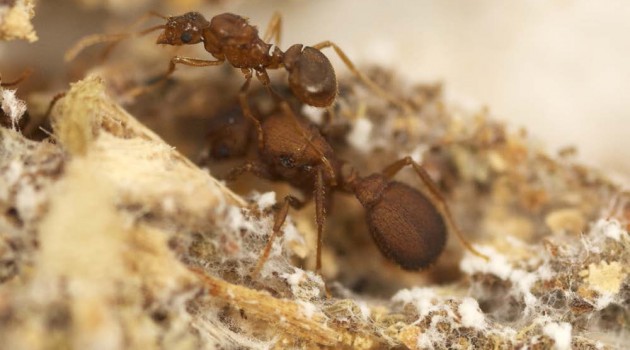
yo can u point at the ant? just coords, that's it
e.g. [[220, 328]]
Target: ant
[[409, 226], [229, 37]]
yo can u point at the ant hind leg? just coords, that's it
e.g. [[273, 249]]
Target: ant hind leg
[[432, 190], [367, 81]]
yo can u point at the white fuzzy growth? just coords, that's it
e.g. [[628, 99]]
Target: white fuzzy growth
[[294, 279], [560, 333], [361, 134], [27, 200], [365, 310], [291, 234], [14, 172], [264, 200], [471, 314], [308, 309], [499, 266], [304, 284], [609, 228], [235, 221], [417, 154], [314, 114], [421, 298], [604, 300], [13, 107], [169, 205]]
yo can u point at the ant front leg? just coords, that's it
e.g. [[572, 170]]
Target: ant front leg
[[278, 221], [188, 61], [256, 168], [367, 81], [247, 111], [320, 216], [432, 190]]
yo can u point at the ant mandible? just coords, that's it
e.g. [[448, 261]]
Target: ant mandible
[[229, 37], [409, 226]]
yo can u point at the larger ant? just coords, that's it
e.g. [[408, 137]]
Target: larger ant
[[229, 37], [409, 226]]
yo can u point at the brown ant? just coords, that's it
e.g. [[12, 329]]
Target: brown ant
[[408, 225], [229, 37]]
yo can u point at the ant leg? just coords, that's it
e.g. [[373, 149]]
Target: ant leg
[[25, 74], [320, 216], [256, 168], [367, 81], [247, 111], [278, 221], [274, 29], [35, 123], [437, 197], [188, 61], [264, 79]]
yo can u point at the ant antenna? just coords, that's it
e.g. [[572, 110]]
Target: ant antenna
[[151, 29], [112, 39]]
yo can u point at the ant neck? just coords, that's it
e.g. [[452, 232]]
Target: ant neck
[[276, 58], [368, 190]]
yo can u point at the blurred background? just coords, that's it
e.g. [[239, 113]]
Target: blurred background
[[559, 68]]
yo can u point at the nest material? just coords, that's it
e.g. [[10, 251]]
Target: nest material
[[15, 20], [111, 238]]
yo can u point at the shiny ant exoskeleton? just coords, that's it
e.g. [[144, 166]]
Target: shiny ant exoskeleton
[[230, 38], [408, 225]]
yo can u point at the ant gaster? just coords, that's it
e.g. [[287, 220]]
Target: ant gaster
[[409, 226], [229, 37]]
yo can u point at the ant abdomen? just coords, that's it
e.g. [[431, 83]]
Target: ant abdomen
[[311, 75], [405, 224]]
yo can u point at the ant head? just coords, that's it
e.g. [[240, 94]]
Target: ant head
[[186, 29]]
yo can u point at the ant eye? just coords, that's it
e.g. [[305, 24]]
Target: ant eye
[[186, 37], [223, 151], [287, 161]]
